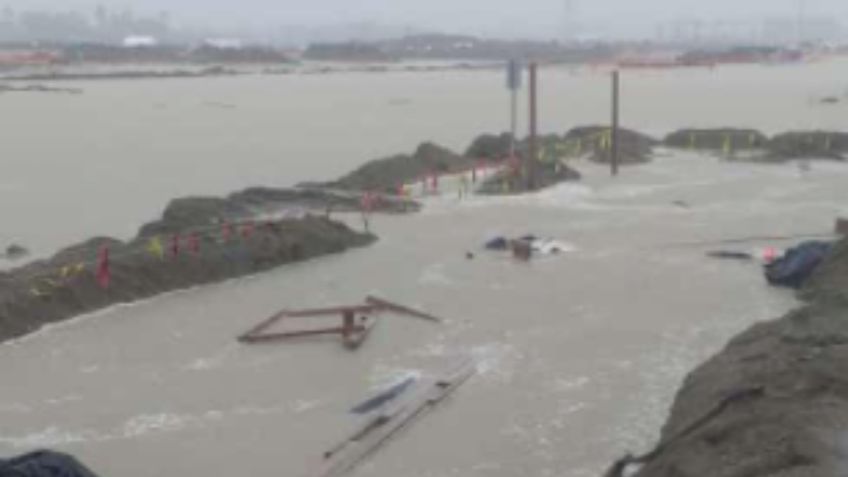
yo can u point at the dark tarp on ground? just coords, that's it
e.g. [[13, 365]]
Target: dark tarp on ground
[[497, 243], [797, 264], [43, 464], [502, 243]]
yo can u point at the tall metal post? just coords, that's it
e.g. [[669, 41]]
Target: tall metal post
[[532, 158], [614, 133], [513, 121], [513, 83]]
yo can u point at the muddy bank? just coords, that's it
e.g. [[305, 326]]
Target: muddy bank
[[809, 144], [754, 146], [37, 88], [490, 146], [718, 139], [197, 241], [387, 174], [214, 71], [774, 401], [595, 143], [510, 181]]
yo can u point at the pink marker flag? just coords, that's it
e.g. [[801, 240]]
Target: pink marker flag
[[367, 202], [194, 243], [175, 245], [104, 276], [247, 230]]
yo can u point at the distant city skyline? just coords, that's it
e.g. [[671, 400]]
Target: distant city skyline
[[545, 19]]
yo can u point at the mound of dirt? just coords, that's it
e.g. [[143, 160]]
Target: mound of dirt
[[184, 249], [634, 147], [490, 146], [510, 182], [773, 402], [718, 139], [385, 175], [809, 145]]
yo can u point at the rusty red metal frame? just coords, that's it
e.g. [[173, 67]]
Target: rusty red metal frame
[[351, 332]]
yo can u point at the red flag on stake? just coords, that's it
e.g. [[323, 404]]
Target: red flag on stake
[[247, 230], [367, 202], [227, 232], [104, 277], [435, 182], [194, 243], [175, 245]]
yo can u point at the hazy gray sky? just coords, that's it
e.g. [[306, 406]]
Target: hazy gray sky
[[475, 16]]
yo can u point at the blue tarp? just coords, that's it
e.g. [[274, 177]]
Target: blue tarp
[[502, 243], [497, 243], [797, 264], [43, 464]]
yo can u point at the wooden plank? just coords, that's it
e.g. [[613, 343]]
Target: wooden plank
[[334, 310], [386, 424], [262, 338], [401, 309], [262, 326]]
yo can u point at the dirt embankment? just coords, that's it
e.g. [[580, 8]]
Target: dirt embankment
[[197, 241], [212, 71], [387, 174], [774, 401], [595, 143], [754, 146], [718, 139], [510, 181], [809, 144]]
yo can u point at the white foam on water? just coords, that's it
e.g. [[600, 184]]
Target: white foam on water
[[14, 408], [303, 405], [435, 275], [63, 399], [153, 423], [259, 411], [49, 437], [564, 385], [210, 363]]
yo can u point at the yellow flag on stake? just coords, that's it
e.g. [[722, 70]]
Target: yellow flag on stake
[[155, 247], [65, 272], [80, 268]]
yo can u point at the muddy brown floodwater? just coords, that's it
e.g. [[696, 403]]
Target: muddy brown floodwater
[[580, 354]]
